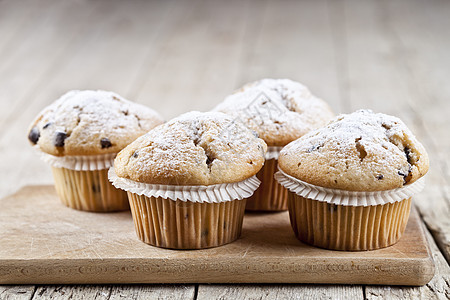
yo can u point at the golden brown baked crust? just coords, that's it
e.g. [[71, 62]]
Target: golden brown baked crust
[[279, 110], [90, 123], [362, 151], [193, 149]]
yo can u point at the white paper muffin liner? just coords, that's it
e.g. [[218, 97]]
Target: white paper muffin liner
[[273, 152], [215, 193], [79, 162], [348, 198]]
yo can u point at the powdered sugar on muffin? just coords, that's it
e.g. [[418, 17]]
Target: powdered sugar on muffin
[[90, 123], [279, 110], [193, 149], [362, 151]]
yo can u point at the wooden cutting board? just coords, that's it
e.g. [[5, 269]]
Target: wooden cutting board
[[42, 242]]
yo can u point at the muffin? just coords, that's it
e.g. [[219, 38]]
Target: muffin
[[188, 180], [280, 111], [79, 135], [351, 182]]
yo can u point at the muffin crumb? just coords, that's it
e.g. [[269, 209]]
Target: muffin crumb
[[279, 110], [85, 123], [362, 151], [193, 149]]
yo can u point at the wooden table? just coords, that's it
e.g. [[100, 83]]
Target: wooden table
[[389, 56]]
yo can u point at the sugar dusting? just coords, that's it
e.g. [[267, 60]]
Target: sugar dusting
[[280, 110], [358, 151], [101, 109], [367, 131], [83, 118], [194, 148]]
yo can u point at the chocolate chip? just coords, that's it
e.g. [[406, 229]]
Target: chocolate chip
[[386, 126], [105, 143], [47, 125], [34, 135], [406, 175], [380, 176], [60, 137], [408, 155], [401, 173], [135, 154], [209, 160]]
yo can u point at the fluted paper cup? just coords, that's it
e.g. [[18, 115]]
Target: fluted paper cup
[[270, 196], [187, 217], [81, 182], [347, 220]]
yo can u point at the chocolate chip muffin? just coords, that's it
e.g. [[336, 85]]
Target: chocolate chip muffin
[[280, 111], [79, 135], [351, 182], [188, 179]]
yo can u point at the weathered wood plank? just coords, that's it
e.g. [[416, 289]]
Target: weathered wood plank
[[16, 292], [162, 292], [437, 288], [108, 292], [198, 64], [34, 50], [312, 292], [13, 16], [293, 39], [72, 292]]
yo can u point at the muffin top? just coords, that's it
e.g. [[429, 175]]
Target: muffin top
[[90, 123], [193, 149], [279, 110], [362, 151]]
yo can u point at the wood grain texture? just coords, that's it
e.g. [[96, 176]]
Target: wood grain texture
[[110, 292], [437, 288], [18, 292], [307, 292], [43, 48], [84, 247], [189, 73], [72, 292], [160, 292]]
